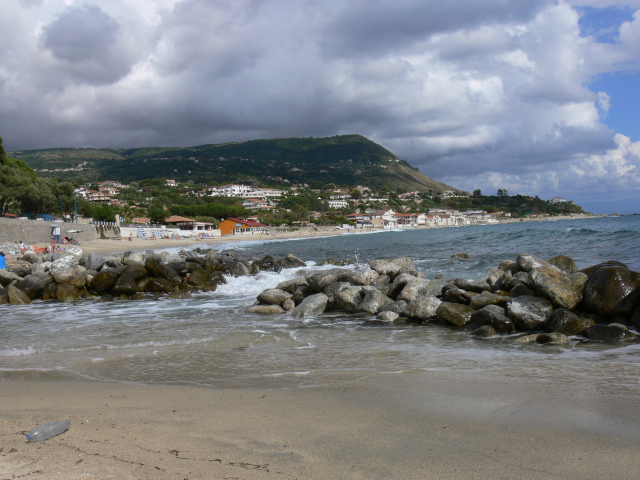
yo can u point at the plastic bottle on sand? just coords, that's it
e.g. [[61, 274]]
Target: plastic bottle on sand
[[48, 430]]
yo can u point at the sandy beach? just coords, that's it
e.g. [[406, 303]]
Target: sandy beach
[[365, 429]]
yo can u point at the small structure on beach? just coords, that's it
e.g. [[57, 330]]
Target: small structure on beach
[[241, 226]]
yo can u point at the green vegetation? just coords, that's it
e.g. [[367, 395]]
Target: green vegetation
[[343, 160]]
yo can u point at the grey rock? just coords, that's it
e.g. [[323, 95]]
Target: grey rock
[[382, 283], [273, 296], [554, 338], [94, 261], [453, 294], [363, 276], [104, 280], [495, 316], [311, 306], [19, 267], [556, 286], [390, 266], [413, 289], [373, 300], [288, 305], [486, 298], [612, 333], [349, 298], [64, 268], [454, 313], [612, 290], [6, 277], [67, 292], [528, 313], [17, 296], [134, 258], [566, 322], [521, 290], [564, 263], [528, 262], [292, 285], [423, 308], [461, 256], [509, 266], [399, 282], [485, 331], [331, 289], [472, 285], [30, 257], [199, 276], [319, 280], [387, 316], [125, 284], [399, 307], [265, 309]]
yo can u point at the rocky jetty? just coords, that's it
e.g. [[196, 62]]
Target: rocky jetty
[[71, 275], [529, 299]]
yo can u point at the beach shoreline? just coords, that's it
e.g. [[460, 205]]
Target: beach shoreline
[[378, 427]]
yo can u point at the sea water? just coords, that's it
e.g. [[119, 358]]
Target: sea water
[[209, 341]]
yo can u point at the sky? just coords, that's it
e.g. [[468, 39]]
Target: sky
[[535, 97]]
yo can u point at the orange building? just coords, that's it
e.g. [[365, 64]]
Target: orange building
[[241, 226]]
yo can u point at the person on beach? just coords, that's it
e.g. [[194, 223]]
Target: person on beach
[[21, 247], [3, 262]]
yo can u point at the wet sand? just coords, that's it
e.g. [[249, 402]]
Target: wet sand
[[376, 428]]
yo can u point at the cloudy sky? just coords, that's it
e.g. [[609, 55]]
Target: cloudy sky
[[536, 97]]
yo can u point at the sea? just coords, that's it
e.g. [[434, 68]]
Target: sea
[[208, 341]]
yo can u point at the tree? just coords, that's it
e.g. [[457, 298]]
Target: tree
[[157, 213], [477, 193]]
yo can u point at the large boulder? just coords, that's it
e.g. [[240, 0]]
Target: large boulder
[[32, 285], [158, 285], [6, 277], [349, 298], [19, 267], [239, 269], [363, 276], [417, 287], [63, 268], [423, 308], [564, 263], [555, 285], [612, 290], [527, 262], [477, 286], [30, 257], [391, 266], [455, 313], [104, 280], [134, 258], [159, 269], [612, 333], [125, 284], [273, 296], [292, 285], [17, 296], [319, 280], [486, 298], [311, 306], [373, 300], [528, 313], [566, 322], [94, 261], [495, 316], [199, 276], [67, 292]]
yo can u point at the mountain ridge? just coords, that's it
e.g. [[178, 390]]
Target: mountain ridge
[[346, 160]]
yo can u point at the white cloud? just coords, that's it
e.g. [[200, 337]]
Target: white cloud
[[473, 92]]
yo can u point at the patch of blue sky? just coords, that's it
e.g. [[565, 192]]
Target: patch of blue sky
[[624, 106], [603, 23]]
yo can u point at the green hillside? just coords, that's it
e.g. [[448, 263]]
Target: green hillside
[[345, 160]]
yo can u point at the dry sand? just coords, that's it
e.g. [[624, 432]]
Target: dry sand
[[361, 430]]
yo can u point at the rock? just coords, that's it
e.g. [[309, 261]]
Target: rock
[[302, 292], [423, 308], [454, 313], [7, 277], [399, 307], [158, 285], [493, 276], [462, 256], [453, 294], [181, 268], [564, 263], [30, 257], [612, 333], [19, 267], [291, 261], [319, 280], [554, 338], [521, 290], [134, 258], [486, 298], [265, 309], [528, 313], [292, 285], [17, 296], [270, 264], [527, 262], [138, 271], [94, 261], [612, 290], [373, 300], [363, 276], [67, 292], [566, 322], [387, 316], [288, 305], [349, 298], [329, 261], [413, 289], [484, 331], [104, 280], [311, 306], [50, 292], [125, 284], [273, 296], [158, 269], [174, 296], [382, 283], [399, 282], [495, 316], [65, 267], [509, 266], [472, 285], [32, 285], [526, 338], [331, 290], [199, 276], [556, 286], [391, 266]]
